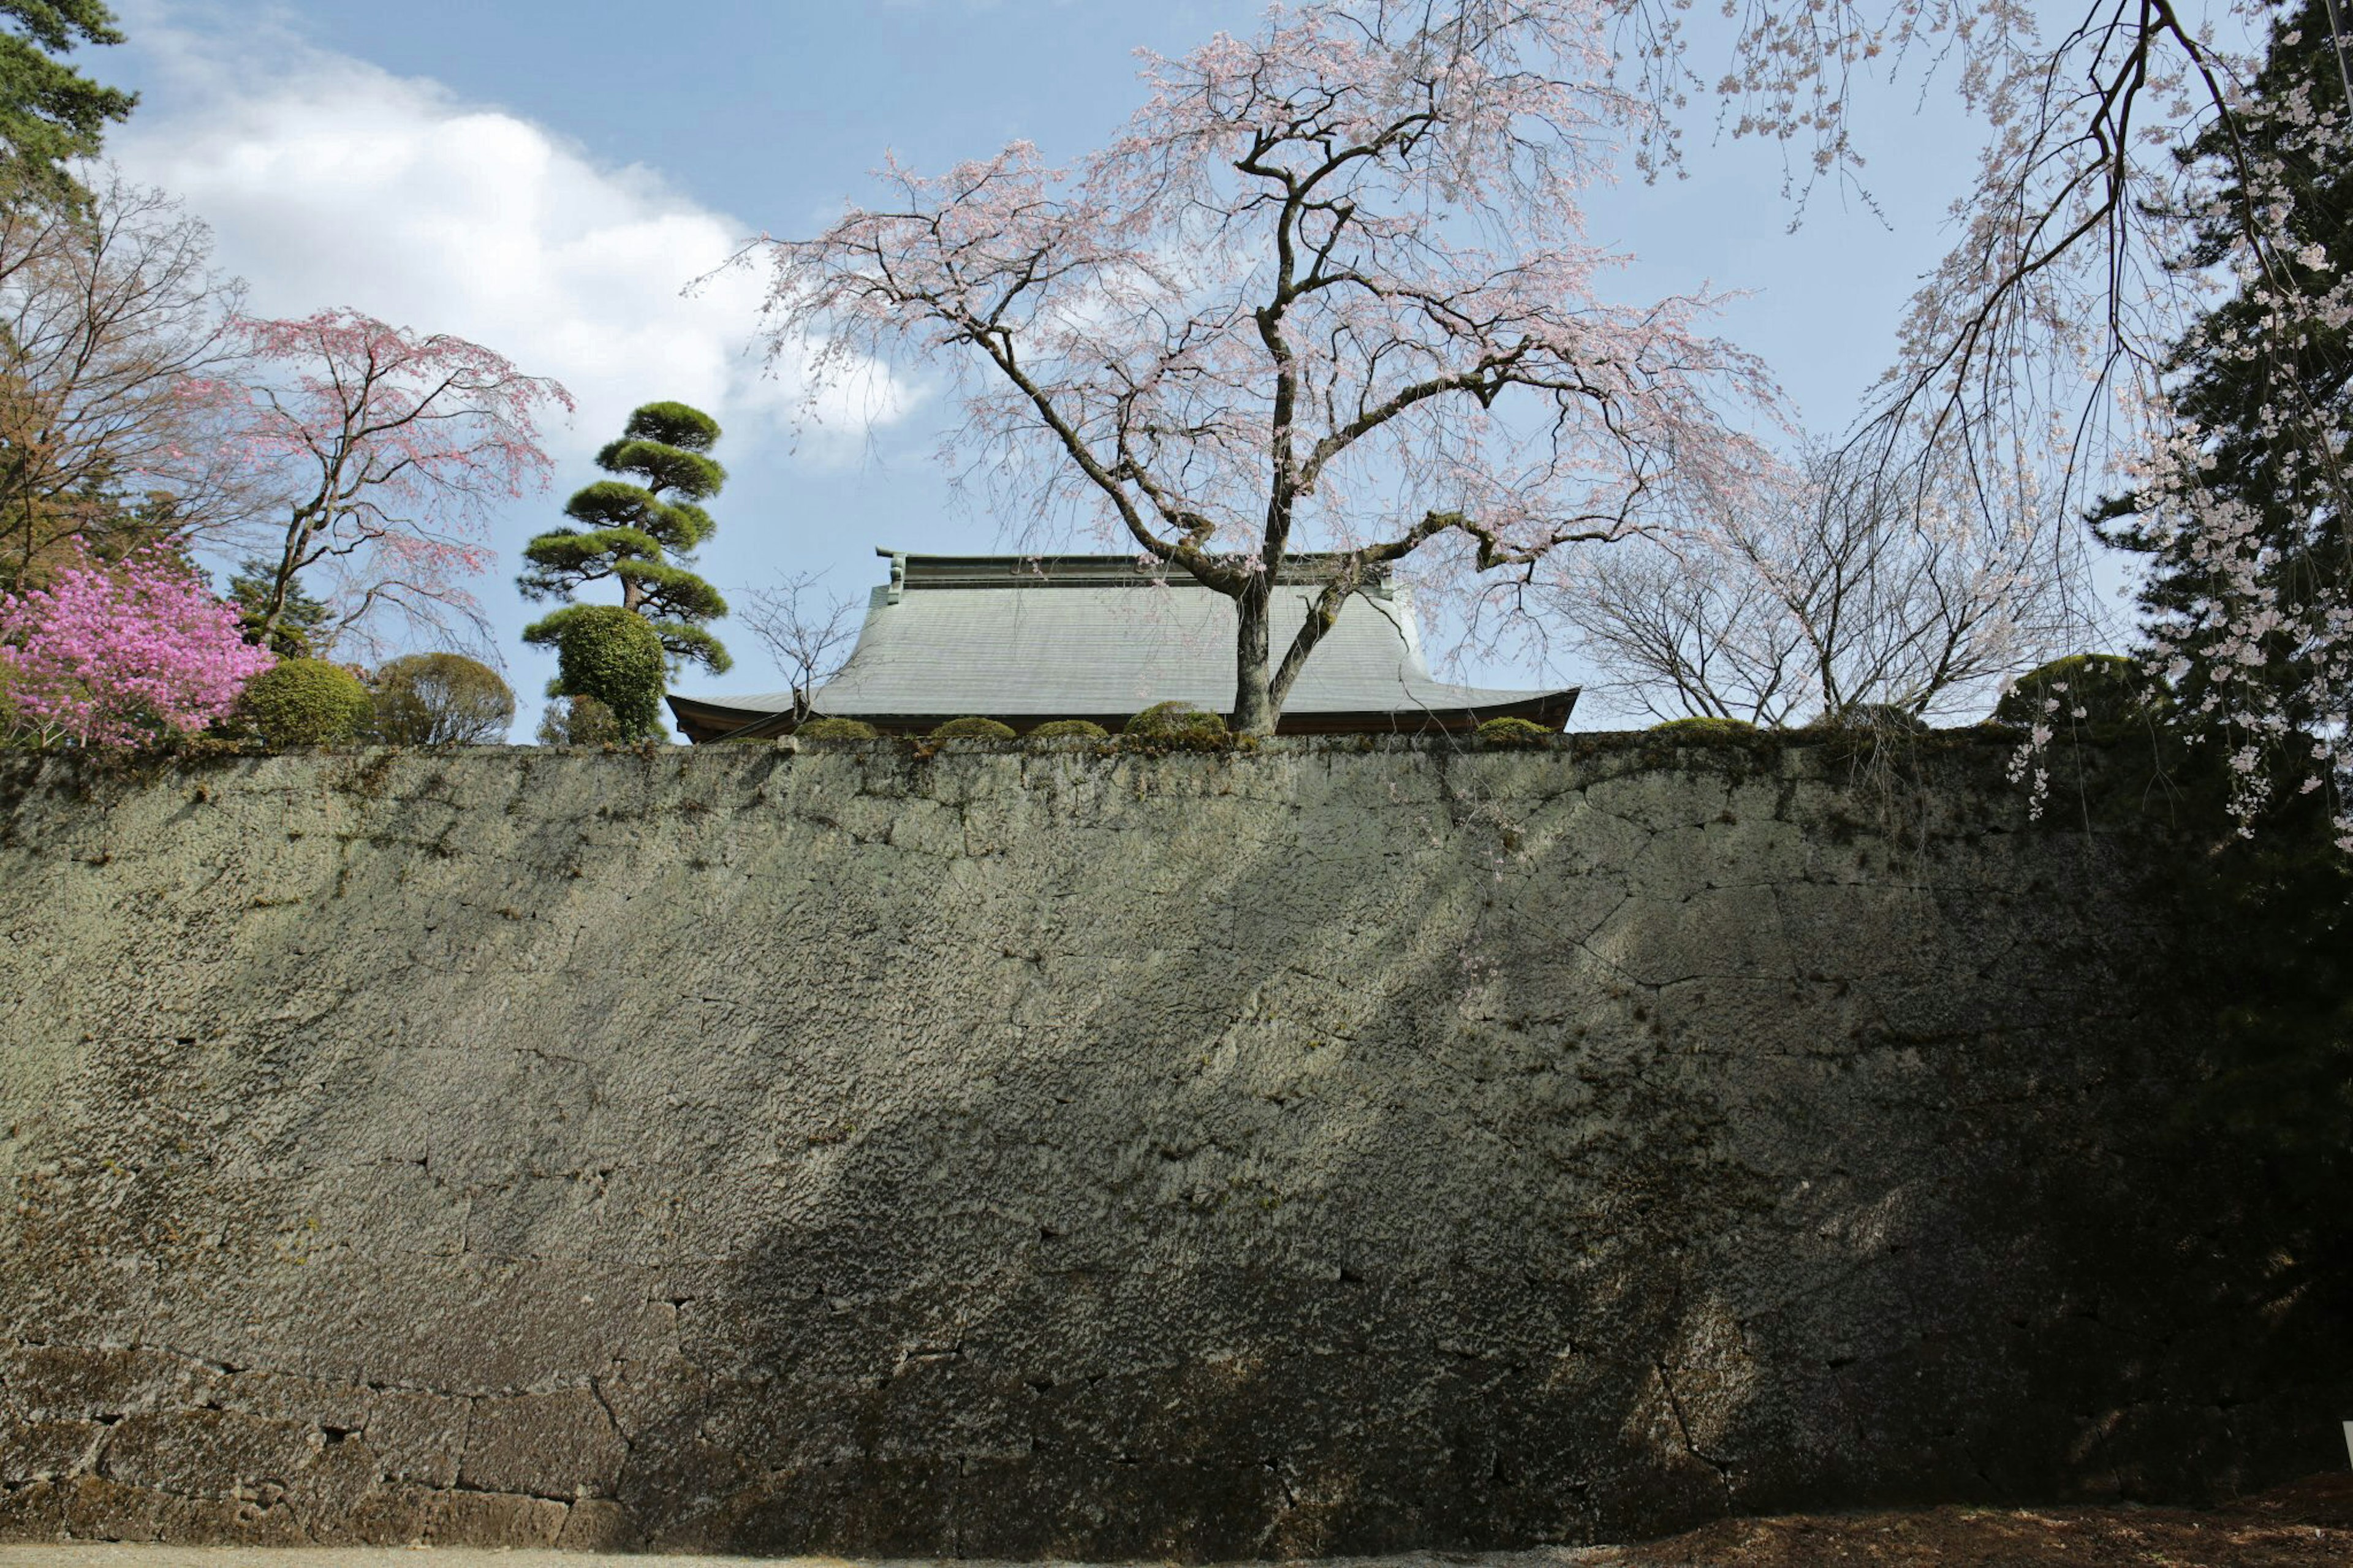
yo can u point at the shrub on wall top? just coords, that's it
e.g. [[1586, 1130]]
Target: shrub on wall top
[[1177, 722], [1705, 729], [1511, 732], [973, 729], [307, 703], [1881, 718], [837, 730], [1070, 730], [441, 700], [578, 721], [2098, 691], [612, 655]]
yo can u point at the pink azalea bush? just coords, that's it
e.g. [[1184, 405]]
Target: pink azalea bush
[[122, 654]]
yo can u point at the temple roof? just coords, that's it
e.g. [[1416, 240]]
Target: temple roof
[[1028, 639]]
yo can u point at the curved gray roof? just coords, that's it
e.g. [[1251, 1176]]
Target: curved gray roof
[[1011, 638]]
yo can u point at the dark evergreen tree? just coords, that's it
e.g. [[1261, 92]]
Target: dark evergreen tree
[[640, 532], [2269, 972], [2259, 382], [296, 635], [50, 114]]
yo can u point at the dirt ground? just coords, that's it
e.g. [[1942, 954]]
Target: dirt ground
[[2306, 1525]]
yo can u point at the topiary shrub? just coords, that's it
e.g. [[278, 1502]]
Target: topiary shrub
[[837, 730], [1178, 724], [643, 526], [307, 703], [441, 700], [2094, 691], [578, 721], [1511, 732], [1705, 729], [1070, 730], [612, 655], [973, 729]]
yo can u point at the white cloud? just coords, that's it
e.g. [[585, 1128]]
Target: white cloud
[[329, 181]]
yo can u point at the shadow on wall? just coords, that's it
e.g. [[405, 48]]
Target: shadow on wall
[[1202, 1156], [1501, 1172], [1273, 1216]]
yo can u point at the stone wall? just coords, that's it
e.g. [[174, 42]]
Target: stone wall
[[1003, 1153]]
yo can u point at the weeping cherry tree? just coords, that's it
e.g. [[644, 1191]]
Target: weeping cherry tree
[[1328, 291]]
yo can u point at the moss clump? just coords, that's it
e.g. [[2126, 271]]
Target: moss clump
[[1070, 730], [973, 729], [612, 655], [2098, 692], [307, 703], [1520, 732], [1176, 724], [1712, 730], [837, 730]]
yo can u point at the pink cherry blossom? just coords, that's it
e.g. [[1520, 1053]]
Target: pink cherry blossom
[[393, 447], [2087, 250]]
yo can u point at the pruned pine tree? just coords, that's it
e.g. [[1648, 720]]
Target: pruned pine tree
[[639, 530]]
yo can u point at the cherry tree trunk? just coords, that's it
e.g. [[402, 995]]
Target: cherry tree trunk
[[1254, 709]]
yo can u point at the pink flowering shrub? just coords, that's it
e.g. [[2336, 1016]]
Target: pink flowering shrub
[[121, 655]]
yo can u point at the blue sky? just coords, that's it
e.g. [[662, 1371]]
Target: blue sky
[[545, 178]]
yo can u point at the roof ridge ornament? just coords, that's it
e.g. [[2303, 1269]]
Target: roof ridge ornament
[[913, 570]]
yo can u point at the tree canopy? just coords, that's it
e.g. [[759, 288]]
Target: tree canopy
[[1329, 287], [640, 531], [440, 699], [120, 404], [51, 114], [390, 447], [2249, 570]]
